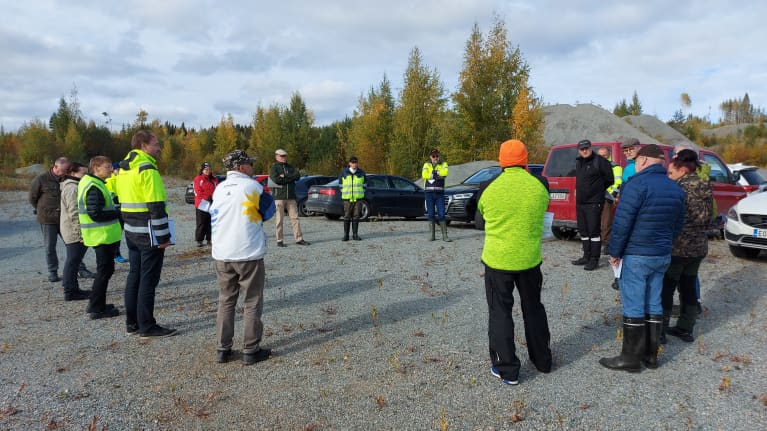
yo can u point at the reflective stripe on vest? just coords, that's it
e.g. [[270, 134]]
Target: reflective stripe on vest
[[352, 188]]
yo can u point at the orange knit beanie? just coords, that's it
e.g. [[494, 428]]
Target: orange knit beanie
[[513, 153]]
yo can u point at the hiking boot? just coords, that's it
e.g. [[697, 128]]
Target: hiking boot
[[53, 277], [281, 244], [302, 242], [157, 331], [683, 335], [592, 264], [223, 356], [494, 371], [257, 356], [77, 295], [106, 313]]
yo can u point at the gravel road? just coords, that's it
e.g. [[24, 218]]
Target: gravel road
[[388, 333]]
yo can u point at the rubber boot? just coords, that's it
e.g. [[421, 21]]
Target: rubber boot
[[347, 223], [595, 250], [633, 347], [664, 327], [355, 226], [586, 253], [432, 227], [685, 323], [443, 228], [653, 329]]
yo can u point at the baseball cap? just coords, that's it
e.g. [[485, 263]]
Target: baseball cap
[[584, 144], [281, 152]]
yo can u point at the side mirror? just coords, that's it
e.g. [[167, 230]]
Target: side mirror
[[735, 177]]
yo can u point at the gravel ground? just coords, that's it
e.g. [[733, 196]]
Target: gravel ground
[[387, 333]]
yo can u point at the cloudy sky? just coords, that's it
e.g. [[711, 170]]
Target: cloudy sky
[[196, 60]]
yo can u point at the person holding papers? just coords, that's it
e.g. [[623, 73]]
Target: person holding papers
[[204, 185]]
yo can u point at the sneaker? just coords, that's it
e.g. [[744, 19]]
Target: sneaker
[[257, 356], [281, 244], [157, 331], [223, 356], [494, 371], [120, 259], [131, 328], [84, 273], [53, 277], [302, 242], [104, 314]]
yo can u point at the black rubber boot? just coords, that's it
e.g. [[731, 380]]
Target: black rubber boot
[[347, 223], [433, 228], [355, 226], [443, 228], [633, 347], [653, 328], [586, 253], [664, 326], [595, 250]]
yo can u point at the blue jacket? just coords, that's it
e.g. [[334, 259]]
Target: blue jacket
[[650, 214]]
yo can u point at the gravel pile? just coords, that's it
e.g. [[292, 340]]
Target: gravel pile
[[387, 333]]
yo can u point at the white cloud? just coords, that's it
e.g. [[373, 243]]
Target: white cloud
[[195, 61]]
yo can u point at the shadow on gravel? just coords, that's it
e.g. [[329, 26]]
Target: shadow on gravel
[[11, 228], [389, 314], [9, 252], [724, 298]]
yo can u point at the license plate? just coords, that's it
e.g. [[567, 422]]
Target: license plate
[[315, 195], [760, 233], [557, 196]]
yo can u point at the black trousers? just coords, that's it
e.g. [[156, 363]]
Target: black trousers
[[143, 278], [589, 218], [105, 267], [202, 232], [499, 288], [682, 272]]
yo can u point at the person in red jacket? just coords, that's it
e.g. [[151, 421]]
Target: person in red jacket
[[204, 185]]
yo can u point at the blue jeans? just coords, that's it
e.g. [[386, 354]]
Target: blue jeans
[[642, 283], [50, 236], [435, 199]]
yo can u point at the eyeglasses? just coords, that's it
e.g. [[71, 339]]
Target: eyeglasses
[[282, 155]]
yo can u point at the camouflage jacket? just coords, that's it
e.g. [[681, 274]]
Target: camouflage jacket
[[693, 241]]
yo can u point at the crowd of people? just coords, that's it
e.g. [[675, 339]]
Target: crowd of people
[[652, 220]]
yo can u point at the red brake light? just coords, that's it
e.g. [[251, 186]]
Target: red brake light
[[328, 191], [750, 188]]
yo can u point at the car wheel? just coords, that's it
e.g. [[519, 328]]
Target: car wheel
[[332, 216], [479, 221], [302, 209], [748, 253], [364, 210], [563, 234]]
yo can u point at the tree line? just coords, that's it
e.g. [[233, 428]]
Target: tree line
[[388, 132], [747, 144]]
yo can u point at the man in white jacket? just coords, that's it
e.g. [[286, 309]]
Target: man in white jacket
[[239, 246]]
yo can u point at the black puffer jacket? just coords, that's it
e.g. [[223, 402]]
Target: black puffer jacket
[[593, 175]]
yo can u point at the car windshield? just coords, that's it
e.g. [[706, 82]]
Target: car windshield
[[753, 176], [483, 175]]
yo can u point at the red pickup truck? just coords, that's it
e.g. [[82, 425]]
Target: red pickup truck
[[560, 171]]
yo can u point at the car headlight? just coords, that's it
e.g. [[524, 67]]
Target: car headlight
[[732, 213], [463, 195]]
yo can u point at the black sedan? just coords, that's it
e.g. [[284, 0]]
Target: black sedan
[[385, 195], [461, 199], [302, 190]]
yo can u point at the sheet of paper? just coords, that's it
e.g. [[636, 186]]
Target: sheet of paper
[[617, 269], [204, 205]]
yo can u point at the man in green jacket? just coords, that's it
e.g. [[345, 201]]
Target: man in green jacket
[[282, 183], [512, 257]]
